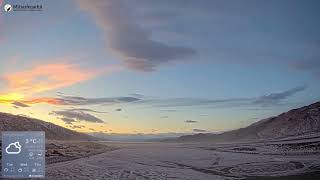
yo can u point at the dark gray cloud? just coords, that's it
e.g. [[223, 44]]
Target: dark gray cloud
[[119, 109], [272, 99], [185, 102], [140, 96], [131, 41], [311, 65], [169, 110], [199, 130], [226, 32], [76, 116], [85, 110], [190, 121], [276, 98], [77, 100], [68, 120], [19, 104], [76, 126]]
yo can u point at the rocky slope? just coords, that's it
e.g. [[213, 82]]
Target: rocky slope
[[295, 122], [9, 122]]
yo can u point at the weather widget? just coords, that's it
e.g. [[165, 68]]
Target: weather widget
[[23, 154]]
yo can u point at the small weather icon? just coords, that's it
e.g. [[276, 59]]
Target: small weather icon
[[13, 148]]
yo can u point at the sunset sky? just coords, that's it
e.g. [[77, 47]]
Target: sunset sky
[[159, 66]]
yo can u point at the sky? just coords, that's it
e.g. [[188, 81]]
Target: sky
[[156, 67]]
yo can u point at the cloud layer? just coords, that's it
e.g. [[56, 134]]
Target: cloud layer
[[276, 98], [199, 130], [70, 117], [46, 77], [129, 40], [190, 121], [85, 110], [311, 65], [19, 104], [15, 86], [272, 99], [76, 100]]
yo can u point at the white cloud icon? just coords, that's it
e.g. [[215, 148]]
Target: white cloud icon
[[13, 148]]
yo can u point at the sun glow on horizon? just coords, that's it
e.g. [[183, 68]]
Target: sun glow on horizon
[[11, 97]]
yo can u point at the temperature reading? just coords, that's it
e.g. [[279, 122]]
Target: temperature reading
[[33, 141]]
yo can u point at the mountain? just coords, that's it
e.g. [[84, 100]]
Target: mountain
[[304, 120], [138, 137], [9, 122]]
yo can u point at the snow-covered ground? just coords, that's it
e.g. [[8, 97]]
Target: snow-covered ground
[[192, 161]]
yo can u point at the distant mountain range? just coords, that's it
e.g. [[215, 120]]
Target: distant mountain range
[[138, 137], [9, 122], [301, 121], [305, 120]]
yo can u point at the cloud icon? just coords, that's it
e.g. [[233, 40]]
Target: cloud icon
[[13, 148]]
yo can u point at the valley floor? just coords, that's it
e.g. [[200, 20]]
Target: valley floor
[[288, 159]]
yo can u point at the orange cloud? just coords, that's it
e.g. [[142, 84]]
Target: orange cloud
[[46, 100], [48, 77], [45, 77]]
